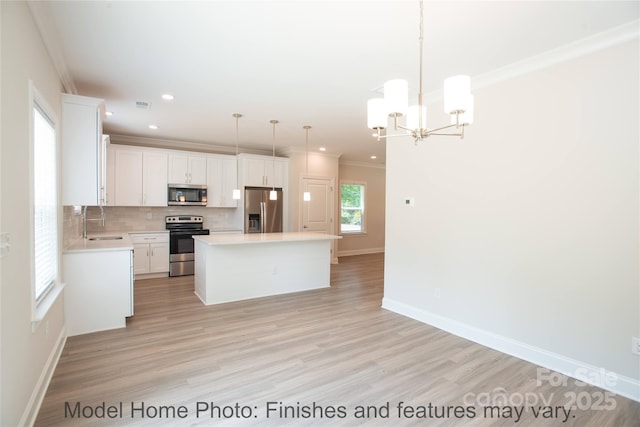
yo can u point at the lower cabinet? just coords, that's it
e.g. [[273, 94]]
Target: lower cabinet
[[151, 253], [98, 293]]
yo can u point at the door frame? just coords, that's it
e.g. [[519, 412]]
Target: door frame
[[332, 201]]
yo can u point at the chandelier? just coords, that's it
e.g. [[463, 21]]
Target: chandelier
[[458, 102]]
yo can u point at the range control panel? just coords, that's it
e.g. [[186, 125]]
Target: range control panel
[[188, 219]]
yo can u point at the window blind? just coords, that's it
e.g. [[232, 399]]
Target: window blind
[[45, 221]]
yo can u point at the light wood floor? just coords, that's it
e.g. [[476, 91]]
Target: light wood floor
[[333, 347]]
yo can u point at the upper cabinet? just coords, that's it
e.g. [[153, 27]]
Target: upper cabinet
[[263, 171], [221, 181], [140, 177], [83, 151], [187, 169]]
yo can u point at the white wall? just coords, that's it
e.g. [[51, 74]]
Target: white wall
[[27, 357], [528, 229], [373, 240]]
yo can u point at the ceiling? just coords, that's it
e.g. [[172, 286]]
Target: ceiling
[[300, 62]]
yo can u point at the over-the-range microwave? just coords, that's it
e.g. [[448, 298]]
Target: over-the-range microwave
[[187, 195]]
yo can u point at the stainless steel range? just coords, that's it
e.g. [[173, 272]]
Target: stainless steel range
[[182, 228]]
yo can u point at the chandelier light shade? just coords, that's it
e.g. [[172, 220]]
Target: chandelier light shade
[[236, 191], [396, 95], [458, 102], [377, 115]]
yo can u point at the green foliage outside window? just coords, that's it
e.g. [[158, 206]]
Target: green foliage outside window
[[352, 208]]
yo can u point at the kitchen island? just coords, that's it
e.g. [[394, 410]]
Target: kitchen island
[[236, 267]]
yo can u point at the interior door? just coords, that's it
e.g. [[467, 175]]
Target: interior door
[[317, 214]]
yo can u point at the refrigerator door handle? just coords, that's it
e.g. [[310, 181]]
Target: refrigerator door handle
[[263, 214]]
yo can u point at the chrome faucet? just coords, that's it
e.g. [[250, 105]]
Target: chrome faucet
[[84, 220]]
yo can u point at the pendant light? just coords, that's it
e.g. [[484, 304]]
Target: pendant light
[[273, 194], [236, 191], [306, 196]]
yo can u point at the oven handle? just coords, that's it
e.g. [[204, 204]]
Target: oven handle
[[187, 232]]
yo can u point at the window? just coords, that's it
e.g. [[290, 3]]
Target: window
[[352, 199], [45, 202]]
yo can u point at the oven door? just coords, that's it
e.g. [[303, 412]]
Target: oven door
[[181, 256], [181, 244]]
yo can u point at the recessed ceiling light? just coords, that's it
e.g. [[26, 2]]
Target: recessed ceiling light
[[153, 127], [109, 113], [322, 149], [374, 157], [167, 97]]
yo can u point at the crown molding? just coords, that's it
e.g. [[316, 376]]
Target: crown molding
[[48, 34], [605, 39], [172, 144], [363, 164], [292, 149]]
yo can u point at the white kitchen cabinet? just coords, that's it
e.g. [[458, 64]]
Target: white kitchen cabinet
[[222, 179], [140, 177], [128, 177], [151, 253], [98, 293], [154, 178], [83, 160], [187, 169], [263, 171]]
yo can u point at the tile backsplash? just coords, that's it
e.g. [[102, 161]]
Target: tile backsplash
[[127, 219]]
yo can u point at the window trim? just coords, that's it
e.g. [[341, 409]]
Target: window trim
[[41, 306], [363, 231]]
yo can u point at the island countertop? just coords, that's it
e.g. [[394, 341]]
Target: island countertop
[[253, 238]]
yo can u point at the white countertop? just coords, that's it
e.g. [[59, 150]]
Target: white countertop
[[253, 238], [225, 229], [84, 245], [142, 232]]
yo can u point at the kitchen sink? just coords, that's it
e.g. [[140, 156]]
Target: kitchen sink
[[106, 238]]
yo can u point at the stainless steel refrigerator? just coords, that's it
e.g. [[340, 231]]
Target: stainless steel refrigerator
[[262, 215]]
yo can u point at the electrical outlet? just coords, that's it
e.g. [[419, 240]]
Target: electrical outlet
[[635, 345]]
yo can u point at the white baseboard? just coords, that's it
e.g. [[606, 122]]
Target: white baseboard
[[40, 390], [360, 252], [623, 386]]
